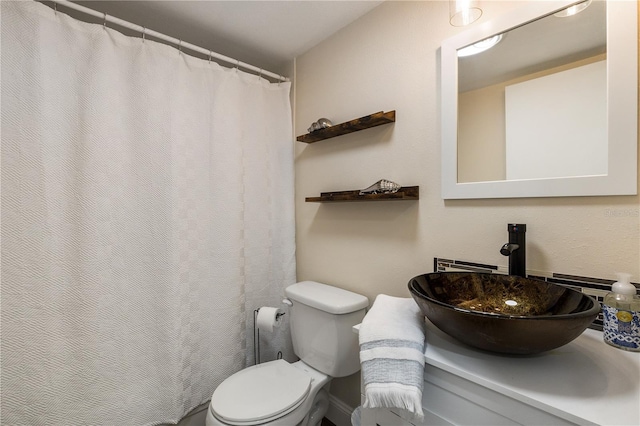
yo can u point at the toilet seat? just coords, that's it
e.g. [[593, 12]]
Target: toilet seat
[[260, 394]]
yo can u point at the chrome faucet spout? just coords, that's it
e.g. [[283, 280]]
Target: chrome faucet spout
[[509, 248]]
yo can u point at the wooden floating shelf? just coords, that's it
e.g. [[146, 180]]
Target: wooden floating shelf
[[356, 125], [404, 193]]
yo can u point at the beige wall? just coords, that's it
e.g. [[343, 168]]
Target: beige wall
[[482, 141], [388, 60]]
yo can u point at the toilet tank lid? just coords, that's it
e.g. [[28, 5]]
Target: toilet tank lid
[[326, 298]]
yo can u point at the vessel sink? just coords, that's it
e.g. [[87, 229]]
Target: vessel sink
[[503, 313]]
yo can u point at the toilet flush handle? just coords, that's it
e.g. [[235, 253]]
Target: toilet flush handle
[[287, 302]]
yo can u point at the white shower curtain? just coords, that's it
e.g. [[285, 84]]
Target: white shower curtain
[[147, 210]]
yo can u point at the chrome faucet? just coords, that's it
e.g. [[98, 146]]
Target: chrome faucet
[[516, 249]]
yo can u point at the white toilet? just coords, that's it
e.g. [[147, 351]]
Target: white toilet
[[280, 393]]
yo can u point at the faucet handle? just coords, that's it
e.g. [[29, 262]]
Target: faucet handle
[[517, 227]]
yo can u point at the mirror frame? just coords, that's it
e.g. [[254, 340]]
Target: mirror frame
[[622, 112]]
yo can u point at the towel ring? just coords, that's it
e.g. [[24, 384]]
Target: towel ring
[[144, 33], [104, 22]]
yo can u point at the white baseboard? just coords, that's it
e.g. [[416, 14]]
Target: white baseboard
[[338, 412]]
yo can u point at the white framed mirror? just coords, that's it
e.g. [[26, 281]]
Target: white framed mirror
[[527, 119]]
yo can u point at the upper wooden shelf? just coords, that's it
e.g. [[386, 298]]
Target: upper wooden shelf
[[356, 125], [404, 193]]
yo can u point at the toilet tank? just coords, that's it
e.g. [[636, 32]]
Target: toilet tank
[[322, 317]]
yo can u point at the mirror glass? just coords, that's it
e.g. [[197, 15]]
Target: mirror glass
[[534, 115], [534, 104]]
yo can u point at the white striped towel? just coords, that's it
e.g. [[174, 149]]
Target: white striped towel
[[392, 354]]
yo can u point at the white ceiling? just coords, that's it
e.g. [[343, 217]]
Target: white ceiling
[[267, 34]]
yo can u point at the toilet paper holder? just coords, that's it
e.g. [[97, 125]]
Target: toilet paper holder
[[256, 336]]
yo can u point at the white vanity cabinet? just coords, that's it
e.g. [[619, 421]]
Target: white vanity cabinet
[[585, 382], [451, 400]]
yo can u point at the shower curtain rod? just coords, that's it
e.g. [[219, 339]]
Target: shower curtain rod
[[177, 42]]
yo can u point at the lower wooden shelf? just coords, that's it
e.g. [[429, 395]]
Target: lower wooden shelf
[[404, 193]]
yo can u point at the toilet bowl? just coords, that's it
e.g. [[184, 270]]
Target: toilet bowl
[[278, 393], [273, 393]]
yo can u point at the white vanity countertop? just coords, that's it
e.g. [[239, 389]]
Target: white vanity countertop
[[585, 381]]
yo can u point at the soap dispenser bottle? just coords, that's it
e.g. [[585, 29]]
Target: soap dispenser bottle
[[621, 310]]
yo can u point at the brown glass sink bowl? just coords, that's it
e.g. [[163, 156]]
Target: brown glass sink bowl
[[503, 313]]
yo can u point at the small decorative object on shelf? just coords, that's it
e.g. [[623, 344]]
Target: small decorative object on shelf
[[382, 186], [322, 123], [405, 193]]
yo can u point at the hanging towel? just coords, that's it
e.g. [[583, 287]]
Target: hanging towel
[[392, 354]]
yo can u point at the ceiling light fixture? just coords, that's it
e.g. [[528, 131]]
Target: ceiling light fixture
[[480, 46], [572, 10], [463, 12]]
